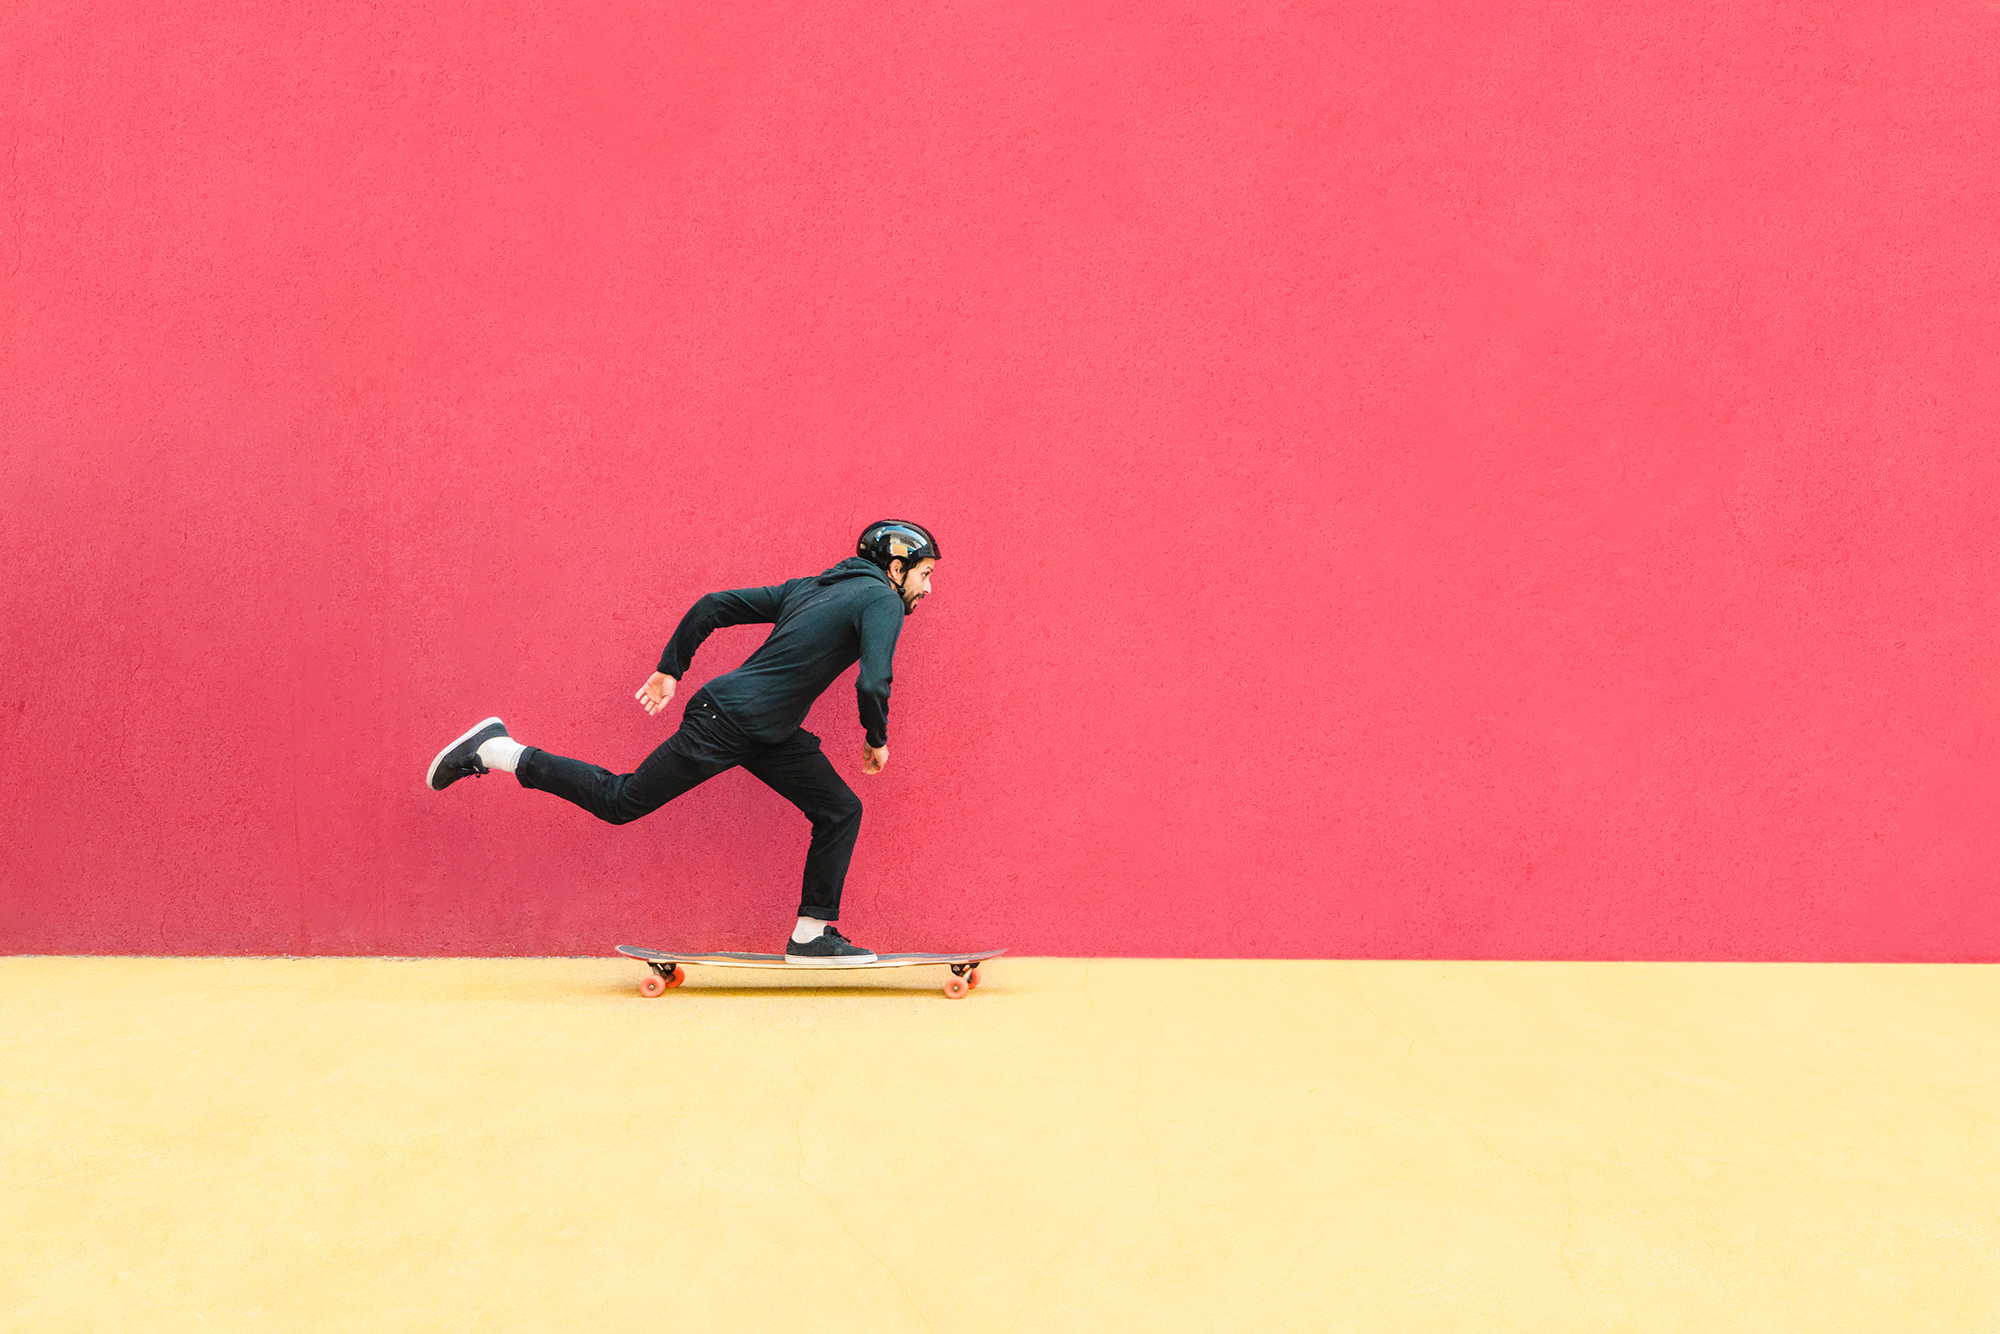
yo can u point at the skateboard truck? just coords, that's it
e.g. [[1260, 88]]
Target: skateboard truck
[[664, 975]]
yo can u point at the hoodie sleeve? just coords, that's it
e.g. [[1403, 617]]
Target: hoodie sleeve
[[740, 606], [881, 623]]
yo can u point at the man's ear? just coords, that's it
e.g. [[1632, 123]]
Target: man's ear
[[894, 570]]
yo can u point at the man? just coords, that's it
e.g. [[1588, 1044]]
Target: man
[[821, 625]]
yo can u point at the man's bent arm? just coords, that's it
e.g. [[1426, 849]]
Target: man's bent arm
[[881, 623], [739, 606]]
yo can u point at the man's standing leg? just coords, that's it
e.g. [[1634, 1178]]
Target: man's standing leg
[[797, 770]]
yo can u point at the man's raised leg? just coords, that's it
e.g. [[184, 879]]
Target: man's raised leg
[[620, 798], [689, 757]]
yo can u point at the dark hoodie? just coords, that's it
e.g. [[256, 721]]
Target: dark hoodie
[[823, 624]]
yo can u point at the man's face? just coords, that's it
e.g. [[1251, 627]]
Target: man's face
[[916, 584]]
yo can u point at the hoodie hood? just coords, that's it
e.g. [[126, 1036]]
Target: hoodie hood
[[860, 567], [856, 567]]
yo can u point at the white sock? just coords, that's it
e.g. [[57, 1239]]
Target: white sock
[[809, 928], [501, 754]]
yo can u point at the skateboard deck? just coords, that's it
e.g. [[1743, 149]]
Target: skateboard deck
[[668, 969]]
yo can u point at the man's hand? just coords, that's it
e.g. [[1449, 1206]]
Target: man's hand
[[653, 695], [877, 757]]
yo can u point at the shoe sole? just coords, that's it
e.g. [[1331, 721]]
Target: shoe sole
[[462, 738], [832, 960]]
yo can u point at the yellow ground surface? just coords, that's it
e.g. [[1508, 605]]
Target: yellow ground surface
[[1080, 1145]]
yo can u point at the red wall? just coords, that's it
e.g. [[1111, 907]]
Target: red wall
[[1450, 481]]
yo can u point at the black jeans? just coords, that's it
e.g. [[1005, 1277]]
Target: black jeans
[[706, 745]]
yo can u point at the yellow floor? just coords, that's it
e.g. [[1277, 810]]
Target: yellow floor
[[1080, 1145]]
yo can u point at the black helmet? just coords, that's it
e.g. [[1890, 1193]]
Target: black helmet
[[893, 539]]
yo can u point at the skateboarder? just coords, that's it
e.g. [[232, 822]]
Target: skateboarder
[[751, 716]]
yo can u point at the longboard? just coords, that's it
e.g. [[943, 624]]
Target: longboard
[[668, 970]]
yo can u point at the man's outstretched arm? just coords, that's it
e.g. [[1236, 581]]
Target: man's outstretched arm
[[737, 606]]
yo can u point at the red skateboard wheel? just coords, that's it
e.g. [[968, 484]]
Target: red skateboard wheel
[[653, 985], [956, 988]]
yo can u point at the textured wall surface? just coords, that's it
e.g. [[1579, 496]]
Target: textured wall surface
[[1413, 482]]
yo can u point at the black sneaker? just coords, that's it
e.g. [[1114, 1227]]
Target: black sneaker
[[829, 946], [461, 758]]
